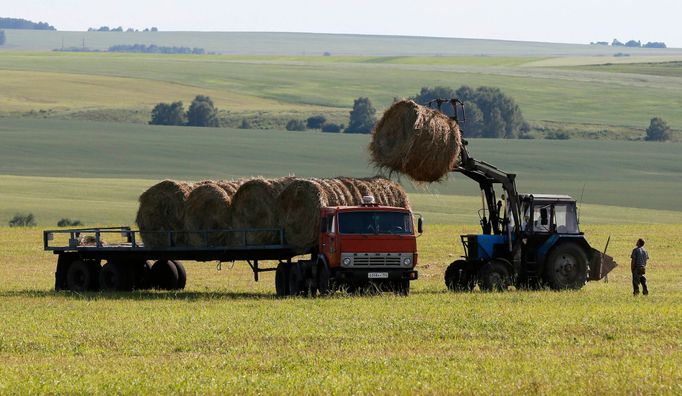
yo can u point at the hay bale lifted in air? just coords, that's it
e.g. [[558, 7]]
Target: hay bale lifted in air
[[300, 202], [417, 141], [254, 205], [207, 208], [162, 208]]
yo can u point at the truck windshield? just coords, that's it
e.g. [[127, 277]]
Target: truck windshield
[[375, 223]]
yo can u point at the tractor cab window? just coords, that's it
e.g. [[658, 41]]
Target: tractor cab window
[[541, 218], [566, 219]]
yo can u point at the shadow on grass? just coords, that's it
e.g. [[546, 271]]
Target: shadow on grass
[[142, 295]]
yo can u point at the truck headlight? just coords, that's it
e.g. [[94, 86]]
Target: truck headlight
[[407, 261], [347, 261]]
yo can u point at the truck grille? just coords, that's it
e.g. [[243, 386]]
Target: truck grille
[[377, 259]]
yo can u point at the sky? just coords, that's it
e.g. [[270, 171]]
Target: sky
[[575, 21]]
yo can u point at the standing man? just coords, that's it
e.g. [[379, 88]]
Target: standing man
[[639, 258]]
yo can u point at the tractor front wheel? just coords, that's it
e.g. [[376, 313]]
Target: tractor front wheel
[[458, 277]]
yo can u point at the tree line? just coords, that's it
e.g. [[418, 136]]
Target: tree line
[[632, 44], [18, 23], [155, 49], [120, 29]]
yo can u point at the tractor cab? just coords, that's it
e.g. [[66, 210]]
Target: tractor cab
[[549, 214]]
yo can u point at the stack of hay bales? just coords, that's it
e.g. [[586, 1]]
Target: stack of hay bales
[[299, 204], [417, 141], [292, 204]]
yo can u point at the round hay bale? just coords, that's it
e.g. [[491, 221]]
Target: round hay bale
[[376, 191], [353, 190], [344, 195], [333, 198], [298, 206], [254, 205], [207, 208], [162, 208], [417, 141], [230, 186], [364, 189]]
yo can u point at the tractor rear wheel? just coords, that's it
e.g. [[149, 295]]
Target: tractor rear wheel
[[458, 277], [494, 276], [566, 267]]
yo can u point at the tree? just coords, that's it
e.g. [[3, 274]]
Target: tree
[[2, 37], [331, 127], [168, 114], [202, 112], [633, 44], [474, 125], [655, 44], [296, 125], [66, 222], [23, 220], [658, 130], [616, 43], [362, 117], [315, 122]]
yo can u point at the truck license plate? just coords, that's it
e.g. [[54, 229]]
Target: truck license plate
[[377, 275]]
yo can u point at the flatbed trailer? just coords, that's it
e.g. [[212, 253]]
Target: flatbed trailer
[[81, 251]]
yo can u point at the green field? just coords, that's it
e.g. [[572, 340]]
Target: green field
[[61, 84], [94, 171], [226, 334]]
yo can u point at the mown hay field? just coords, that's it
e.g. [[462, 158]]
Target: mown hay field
[[227, 334]]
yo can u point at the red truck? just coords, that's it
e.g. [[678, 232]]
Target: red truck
[[358, 246]]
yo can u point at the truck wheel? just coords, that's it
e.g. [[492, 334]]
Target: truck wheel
[[402, 287], [566, 267], [81, 276], [182, 275], [282, 280], [458, 278], [494, 276], [114, 276], [165, 275], [323, 279]]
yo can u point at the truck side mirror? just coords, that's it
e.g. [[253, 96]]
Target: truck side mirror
[[420, 225]]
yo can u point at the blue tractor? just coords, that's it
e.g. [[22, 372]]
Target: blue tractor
[[528, 240]]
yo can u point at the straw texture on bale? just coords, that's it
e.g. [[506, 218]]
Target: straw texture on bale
[[207, 208], [417, 141], [162, 208], [254, 205], [300, 202]]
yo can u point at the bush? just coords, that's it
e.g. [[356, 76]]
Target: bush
[[2, 37], [66, 222], [295, 125], [658, 130], [246, 124], [315, 122], [557, 136], [168, 114], [23, 220], [331, 127]]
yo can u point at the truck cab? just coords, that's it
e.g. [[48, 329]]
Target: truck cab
[[359, 246]]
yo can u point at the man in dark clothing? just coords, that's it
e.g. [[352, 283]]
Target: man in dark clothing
[[639, 258]]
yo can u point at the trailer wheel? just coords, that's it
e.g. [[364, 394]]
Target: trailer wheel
[[566, 267], [165, 275], [182, 275], [114, 276], [141, 275], [282, 279], [297, 283], [81, 276], [458, 277], [494, 276]]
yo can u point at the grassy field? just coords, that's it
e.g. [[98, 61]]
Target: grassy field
[[74, 82], [50, 165], [226, 334], [310, 44]]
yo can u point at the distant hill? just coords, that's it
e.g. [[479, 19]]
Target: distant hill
[[312, 44], [18, 23]]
